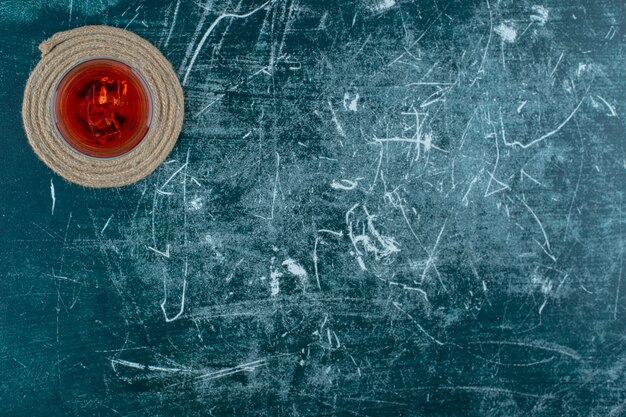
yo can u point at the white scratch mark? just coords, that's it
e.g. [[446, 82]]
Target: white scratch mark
[[492, 177], [388, 244], [380, 162], [491, 391], [542, 345], [621, 265], [195, 181], [583, 68], [420, 291], [205, 108], [361, 263], [546, 245], [160, 189], [165, 254], [136, 365], [131, 21], [547, 135], [419, 326], [62, 278], [169, 35], [232, 273], [210, 29], [246, 367], [525, 174], [481, 69], [161, 192], [611, 33], [52, 195], [336, 121], [106, 224], [465, 200], [265, 70], [358, 370], [557, 64], [345, 185], [315, 258], [275, 192], [419, 138], [182, 299], [431, 259], [611, 108]]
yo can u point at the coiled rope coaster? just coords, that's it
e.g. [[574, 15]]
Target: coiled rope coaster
[[63, 52]]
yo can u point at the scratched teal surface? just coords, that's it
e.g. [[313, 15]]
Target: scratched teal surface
[[375, 208]]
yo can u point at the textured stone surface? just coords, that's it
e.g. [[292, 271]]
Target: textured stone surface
[[376, 207]]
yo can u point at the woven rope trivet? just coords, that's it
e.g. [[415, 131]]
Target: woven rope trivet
[[66, 49]]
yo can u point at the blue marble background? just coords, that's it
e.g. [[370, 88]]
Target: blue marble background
[[376, 208]]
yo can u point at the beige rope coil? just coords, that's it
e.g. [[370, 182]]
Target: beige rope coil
[[62, 52]]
